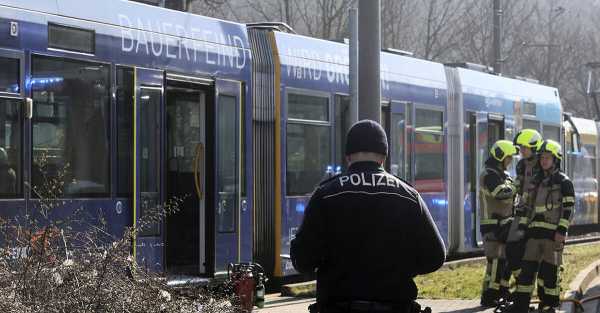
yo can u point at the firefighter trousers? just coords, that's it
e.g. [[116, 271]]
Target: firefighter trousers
[[514, 254], [493, 287], [542, 260]]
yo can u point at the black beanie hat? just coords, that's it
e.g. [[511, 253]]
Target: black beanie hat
[[366, 136]]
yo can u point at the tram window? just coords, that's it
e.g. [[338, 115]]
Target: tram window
[[305, 107], [531, 124], [552, 132], [71, 38], [10, 148], [9, 77], [589, 150], [307, 157], [429, 151], [70, 133], [124, 131], [149, 183], [228, 162]]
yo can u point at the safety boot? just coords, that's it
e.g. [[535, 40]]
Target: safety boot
[[489, 298], [511, 307], [546, 309]]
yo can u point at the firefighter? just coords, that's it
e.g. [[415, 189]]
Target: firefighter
[[527, 168], [366, 234], [552, 201], [496, 197]]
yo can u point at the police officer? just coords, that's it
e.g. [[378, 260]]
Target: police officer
[[527, 168], [552, 201], [497, 191], [366, 233]]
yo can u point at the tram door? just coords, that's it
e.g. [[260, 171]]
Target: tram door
[[149, 243], [230, 209], [399, 148], [186, 154], [488, 129]]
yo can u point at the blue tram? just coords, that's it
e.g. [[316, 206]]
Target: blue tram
[[435, 115], [125, 105]]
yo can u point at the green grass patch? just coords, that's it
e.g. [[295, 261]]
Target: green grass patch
[[464, 281]]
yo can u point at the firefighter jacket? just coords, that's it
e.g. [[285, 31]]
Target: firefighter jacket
[[496, 198], [367, 234], [527, 170], [552, 201]]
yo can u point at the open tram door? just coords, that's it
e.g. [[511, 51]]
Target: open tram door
[[489, 128], [187, 154], [147, 174], [399, 155]]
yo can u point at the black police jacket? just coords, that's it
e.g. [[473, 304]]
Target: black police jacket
[[367, 234]]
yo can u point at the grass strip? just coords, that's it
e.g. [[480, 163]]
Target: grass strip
[[464, 281]]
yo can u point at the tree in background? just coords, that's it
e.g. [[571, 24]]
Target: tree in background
[[548, 40]]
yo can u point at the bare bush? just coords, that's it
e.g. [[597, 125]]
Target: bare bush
[[75, 265]]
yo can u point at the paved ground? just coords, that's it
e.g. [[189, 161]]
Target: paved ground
[[276, 304], [593, 290]]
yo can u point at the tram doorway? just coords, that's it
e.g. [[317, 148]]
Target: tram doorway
[[185, 156], [486, 128]]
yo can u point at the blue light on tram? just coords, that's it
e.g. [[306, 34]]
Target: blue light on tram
[[42, 81], [300, 207], [338, 170], [439, 201], [14, 88]]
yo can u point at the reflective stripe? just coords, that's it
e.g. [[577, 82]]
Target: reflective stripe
[[504, 283], [505, 221], [516, 273], [524, 288], [494, 275], [523, 220], [563, 222], [540, 209], [499, 188], [552, 291], [543, 225], [568, 199], [489, 221], [540, 282]]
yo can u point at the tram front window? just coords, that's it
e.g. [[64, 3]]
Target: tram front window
[[70, 128]]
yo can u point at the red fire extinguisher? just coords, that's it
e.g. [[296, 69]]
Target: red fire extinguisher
[[247, 280]]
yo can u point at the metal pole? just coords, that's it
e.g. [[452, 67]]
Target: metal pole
[[369, 40], [497, 57], [353, 24], [550, 42]]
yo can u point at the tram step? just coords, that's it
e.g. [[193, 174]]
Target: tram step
[[304, 289]]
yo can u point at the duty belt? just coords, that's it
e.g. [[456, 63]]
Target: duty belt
[[368, 306]]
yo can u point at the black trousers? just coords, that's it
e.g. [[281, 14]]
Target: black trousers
[[368, 307]]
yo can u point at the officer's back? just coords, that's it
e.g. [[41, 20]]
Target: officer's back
[[367, 232]]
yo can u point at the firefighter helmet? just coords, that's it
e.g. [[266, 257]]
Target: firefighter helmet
[[529, 138], [552, 147], [502, 149]]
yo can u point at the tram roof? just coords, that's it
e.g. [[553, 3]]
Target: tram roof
[[141, 16], [498, 86], [585, 126]]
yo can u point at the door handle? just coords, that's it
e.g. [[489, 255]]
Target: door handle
[[199, 170]]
